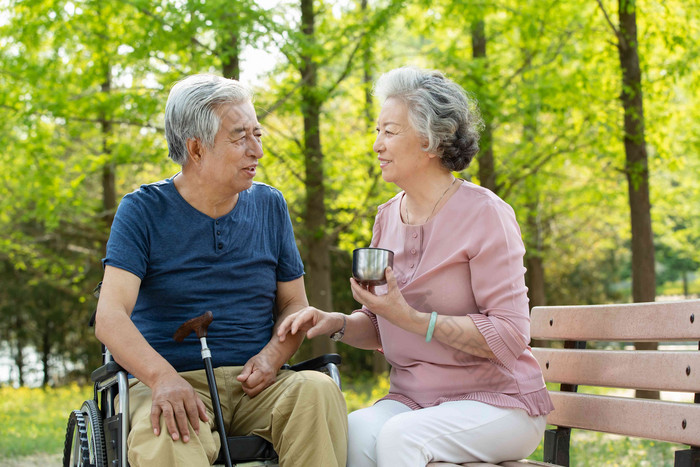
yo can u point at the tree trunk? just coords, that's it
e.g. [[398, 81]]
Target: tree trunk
[[46, 353], [19, 350], [486, 171], [19, 363], [535, 270], [318, 260], [230, 63], [535, 279], [636, 167], [109, 193], [379, 363]]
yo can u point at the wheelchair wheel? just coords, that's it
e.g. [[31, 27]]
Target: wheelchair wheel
[[85, 444]]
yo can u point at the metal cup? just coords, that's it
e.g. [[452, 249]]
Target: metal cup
[[368, 265]]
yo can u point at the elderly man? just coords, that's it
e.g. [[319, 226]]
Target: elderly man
[[210, 238]]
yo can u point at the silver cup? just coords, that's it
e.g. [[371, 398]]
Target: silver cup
[[368, 265]]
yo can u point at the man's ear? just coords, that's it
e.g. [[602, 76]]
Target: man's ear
[[194, 150]]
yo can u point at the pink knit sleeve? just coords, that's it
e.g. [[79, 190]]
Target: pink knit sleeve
[[498, 281], [372, 317]]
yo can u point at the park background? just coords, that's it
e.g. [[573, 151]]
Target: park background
[[592, 135]]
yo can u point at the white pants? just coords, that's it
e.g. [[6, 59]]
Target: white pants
[[389, 434]]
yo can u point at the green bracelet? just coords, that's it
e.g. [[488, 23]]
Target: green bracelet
[[431, 326]]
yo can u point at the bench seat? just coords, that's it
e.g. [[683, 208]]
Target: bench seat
[[523, 463]]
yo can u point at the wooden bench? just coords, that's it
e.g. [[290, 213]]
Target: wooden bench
[[663, 370]]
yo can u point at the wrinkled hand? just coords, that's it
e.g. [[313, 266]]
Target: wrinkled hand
[[174, 399], [258, 373], [309, 320], [391, 305]]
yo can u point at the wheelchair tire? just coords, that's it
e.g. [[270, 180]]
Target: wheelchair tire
[[96, 435], [84, 445], [76, 451]]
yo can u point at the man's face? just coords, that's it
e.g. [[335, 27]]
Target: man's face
[[231, 164]]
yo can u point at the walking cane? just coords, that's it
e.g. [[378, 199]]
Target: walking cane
[[199, 326]]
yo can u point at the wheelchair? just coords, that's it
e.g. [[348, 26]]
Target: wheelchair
[[96, 433]]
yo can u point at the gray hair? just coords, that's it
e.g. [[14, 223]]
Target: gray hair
[[439, 110], [192, 110]]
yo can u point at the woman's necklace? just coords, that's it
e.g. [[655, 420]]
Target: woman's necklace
[[408, 218]]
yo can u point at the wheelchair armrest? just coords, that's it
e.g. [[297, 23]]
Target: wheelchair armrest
[[317, 363], [106, 371]]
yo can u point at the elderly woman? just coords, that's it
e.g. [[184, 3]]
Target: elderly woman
[[454, 319]]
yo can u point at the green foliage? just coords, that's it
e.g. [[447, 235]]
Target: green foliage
[[364, 391], [83, 85]]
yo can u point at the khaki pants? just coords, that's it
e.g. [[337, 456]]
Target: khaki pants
[[303, 414]]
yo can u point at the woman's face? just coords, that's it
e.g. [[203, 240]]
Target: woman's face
[[399, 147]]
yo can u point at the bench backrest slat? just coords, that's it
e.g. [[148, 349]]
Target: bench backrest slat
[[657, 321], [653, 370], [673, 368], [660, 420]]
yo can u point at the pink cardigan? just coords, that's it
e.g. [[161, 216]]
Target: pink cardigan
[[466, 260]]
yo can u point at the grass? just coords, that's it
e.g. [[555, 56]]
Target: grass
[[590, 449], [33, 421], [593, 449]]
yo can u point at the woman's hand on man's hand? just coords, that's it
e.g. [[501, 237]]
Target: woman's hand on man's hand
[[310, 320]]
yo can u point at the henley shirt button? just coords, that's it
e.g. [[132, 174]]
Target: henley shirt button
[[221, 246], [412, 266], [415, 235], [413, 251], [218, 232], [217, 222], [403, 281]]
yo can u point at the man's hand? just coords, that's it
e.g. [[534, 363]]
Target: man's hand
[[258, 373], [176, 401]]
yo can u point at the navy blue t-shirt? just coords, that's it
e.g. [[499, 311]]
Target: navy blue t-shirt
[[190, 263]]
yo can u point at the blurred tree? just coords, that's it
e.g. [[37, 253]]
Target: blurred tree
[[529, 86], [678, 232], [636, 166], [323, 51], [636, 169], [83, 85]]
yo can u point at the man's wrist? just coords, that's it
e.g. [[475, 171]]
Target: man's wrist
[[277, 353]]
